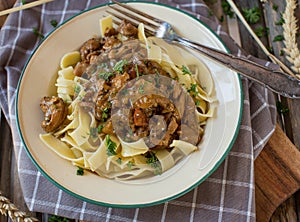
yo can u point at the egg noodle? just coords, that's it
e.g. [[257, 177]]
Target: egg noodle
[[80, 141]]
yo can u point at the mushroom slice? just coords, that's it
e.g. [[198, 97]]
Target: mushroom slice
[[55, 112]]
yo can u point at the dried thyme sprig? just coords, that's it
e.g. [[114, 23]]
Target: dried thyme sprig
[[290, 29]]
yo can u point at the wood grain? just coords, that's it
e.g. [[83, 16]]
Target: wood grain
[[277, 174]]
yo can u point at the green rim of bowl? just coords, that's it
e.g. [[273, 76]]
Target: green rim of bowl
[[129, 205]]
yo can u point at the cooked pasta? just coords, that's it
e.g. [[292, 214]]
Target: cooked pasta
[[134, 105]]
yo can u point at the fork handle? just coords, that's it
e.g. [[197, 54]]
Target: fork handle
[[276, 81]]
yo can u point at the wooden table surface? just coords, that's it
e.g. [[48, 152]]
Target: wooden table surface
[[277, 168]]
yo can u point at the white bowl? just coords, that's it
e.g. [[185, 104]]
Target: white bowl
[[38, 80]]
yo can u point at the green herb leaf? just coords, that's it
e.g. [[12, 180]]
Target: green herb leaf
[[193, 90], [130, 164], [77, 89], [37, 33], [278, 38], [53, 22], [79, 171], [185, 70], [153, 161], [105, 75], [119, 66], [261, 31], [222, 19], [227, 9], [111, 146], [100, 127], [280, 22], [281, 52], [281, 108], [252, 15], [270, 49], [275, 7], [23, 2], [55, 218]]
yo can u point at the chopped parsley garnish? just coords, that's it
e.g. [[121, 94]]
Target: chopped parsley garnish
[[197, 103], [37, 33], [111, 146], [100, 127], [79, 171], [130, 164], [153, 161], [77, 89], [53, 22], [185, 70], [119, 66], [23, 2], [252, 15], [278, 38], [193, 89], [105, 113], [105, 75]]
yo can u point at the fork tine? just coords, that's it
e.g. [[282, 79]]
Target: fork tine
[[151, 18], [133, 17]]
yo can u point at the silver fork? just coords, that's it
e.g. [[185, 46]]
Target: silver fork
[[275, 80]]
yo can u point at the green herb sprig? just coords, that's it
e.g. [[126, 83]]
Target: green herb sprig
[[37, 33], [185, 70], [53, 22], [119, 66], [111, 146], [252, 15], [153, 161], [80, 171], [227, 9]]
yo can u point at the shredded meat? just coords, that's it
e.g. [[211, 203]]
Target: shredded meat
[[164, 116]]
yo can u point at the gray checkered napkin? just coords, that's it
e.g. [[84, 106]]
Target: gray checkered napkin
[[227, 195]]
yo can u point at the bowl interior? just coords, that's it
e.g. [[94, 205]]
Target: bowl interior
[[38, 80]]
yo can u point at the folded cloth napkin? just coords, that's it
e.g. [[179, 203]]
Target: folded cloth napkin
[[227, 195]]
